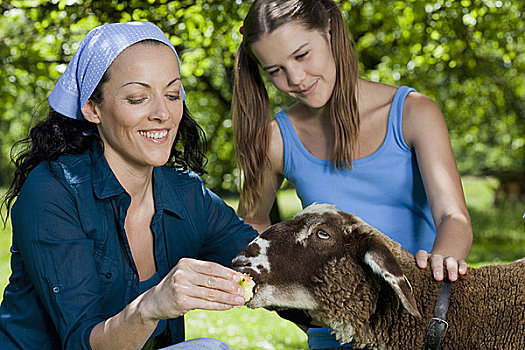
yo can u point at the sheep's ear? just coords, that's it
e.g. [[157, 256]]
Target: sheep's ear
[[376, 255]]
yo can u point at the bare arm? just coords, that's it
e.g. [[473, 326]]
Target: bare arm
[[425, 131], [272, 178], [191, 284]]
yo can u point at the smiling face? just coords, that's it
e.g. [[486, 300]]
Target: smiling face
[[141, 108], [299, 62]]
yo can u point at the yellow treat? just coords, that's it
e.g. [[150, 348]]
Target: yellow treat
[[247, 284]]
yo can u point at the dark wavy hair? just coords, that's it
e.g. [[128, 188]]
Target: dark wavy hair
[[60, 135]]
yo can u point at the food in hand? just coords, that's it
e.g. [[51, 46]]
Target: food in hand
[[247, 284]]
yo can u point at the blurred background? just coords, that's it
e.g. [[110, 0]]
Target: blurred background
[[468, 55]]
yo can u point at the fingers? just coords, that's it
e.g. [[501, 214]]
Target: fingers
[[441, 265], [209, 282], [212, 277], [204, 298], [192, 284], [463, 267], [217, 296], [422, 258], [436, 264], [210, 269], [216, 289], [452, 268]]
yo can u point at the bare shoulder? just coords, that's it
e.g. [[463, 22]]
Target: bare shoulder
[[276, 147], [418, 104], [380, 88], [374, 95], [421, 116]]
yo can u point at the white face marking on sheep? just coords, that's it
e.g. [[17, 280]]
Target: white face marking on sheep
[[318, 210], [302, 236], [292, 296], [257, 262], [292, 253]]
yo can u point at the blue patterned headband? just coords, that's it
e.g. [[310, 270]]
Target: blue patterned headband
[[96, 52]]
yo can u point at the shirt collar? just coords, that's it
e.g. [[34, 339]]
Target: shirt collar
[[105, 184], [164, 194]]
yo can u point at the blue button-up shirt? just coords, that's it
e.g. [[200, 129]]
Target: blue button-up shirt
[[71, 262]]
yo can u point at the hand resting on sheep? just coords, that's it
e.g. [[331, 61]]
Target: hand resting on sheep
[[353, 278]]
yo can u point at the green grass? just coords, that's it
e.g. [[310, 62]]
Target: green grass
[[498, 238], [499, 230], [246, 329]]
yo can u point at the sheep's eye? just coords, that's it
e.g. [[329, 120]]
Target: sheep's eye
[[323, 235]]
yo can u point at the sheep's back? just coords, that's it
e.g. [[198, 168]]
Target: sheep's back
[[487, 309]]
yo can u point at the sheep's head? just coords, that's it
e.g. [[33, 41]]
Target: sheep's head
[[292, 260]]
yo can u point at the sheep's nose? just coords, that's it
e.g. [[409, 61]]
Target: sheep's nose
[[240, 262]]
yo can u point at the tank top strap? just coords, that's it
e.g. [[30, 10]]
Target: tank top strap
[[395, 117], [284, 123], [291, 143]]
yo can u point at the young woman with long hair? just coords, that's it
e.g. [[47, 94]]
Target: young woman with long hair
[[378, 151]]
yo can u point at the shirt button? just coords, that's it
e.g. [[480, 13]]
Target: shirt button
[[109, 275], [56, 290]]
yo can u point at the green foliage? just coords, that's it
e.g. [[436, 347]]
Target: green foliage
[[499, 230], [40, 37], [466, 55]]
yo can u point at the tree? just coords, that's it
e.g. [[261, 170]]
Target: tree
[[40, 40], [467, 55]]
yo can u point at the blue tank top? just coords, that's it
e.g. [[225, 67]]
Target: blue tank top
[[384, 189]]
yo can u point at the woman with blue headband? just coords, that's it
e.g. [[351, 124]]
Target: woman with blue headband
[[115, 236]]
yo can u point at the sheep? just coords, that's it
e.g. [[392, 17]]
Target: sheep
[[368, 289]]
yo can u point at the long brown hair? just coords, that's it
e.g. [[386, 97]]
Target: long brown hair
[[251, 107]]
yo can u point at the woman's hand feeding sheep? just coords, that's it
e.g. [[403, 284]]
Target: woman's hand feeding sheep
[[124, 238]]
